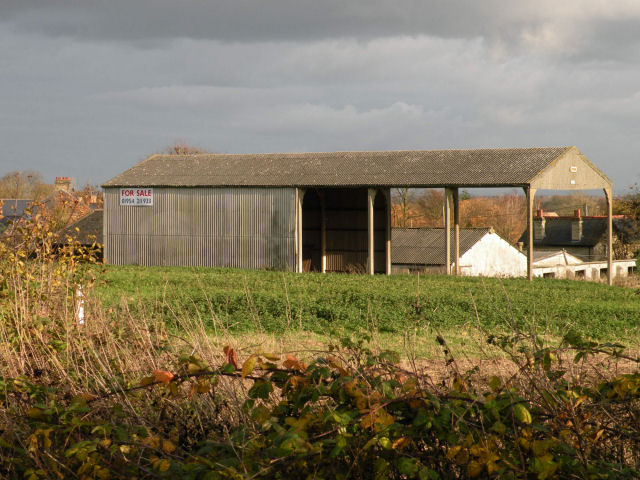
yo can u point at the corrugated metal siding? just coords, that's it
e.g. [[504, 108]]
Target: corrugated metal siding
[[218, 227]]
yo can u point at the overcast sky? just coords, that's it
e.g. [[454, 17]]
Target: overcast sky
[[90, 87]]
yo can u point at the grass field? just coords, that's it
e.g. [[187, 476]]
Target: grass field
[[275, 303]]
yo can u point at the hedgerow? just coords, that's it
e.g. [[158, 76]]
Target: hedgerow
[[350, 413]]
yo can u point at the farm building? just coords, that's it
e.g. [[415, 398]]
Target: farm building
[[308, 211], [485, 253], [582, 236], [562, 264], [482, 253]]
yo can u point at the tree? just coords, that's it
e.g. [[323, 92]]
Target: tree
[[25, 184], [180, 147], [400, 208], [431, 207], [629, 204]]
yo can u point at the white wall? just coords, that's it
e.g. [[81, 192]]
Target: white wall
[[493, 257], [595, 271]]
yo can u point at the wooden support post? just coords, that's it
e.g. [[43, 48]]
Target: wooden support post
[[531, 193], [299, 229], [387, 245], [371, 197], [323, 234], [447, 230], [609, 194], [456, 231]]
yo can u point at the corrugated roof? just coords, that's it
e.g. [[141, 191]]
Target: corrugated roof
[[416, 168], [425, 246]]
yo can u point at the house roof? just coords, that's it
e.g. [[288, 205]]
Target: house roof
[[558, 231], [425, 246], [540, 256], [13, 208], [89, 229], [412, 168]]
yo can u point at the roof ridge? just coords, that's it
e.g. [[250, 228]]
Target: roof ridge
[[483, 149]]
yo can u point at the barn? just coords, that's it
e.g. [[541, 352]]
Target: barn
[[308, 211]]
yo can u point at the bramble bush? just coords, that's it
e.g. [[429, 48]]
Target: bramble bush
[[121, 397], [349, 413]]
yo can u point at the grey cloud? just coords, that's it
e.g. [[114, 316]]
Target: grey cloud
[[248, 20], [77, 104], [580, 30]]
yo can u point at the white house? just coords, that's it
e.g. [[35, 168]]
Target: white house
[[482, 252]]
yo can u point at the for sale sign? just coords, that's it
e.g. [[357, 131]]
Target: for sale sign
[[136, 197]]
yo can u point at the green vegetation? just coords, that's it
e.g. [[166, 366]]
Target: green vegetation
[[274, 302]]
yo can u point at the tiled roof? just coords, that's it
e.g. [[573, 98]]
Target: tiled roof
[[417, 168], [558, 231], [13, 208], [425, 246], [89, 229]]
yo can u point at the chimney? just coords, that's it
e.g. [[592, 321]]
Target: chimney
[[539, 225], [520, 246], [576, 226], [63, 183]]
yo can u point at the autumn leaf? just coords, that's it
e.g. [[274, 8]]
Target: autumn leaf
[[35, 413], [474, 468], [203, 386], [168, 446], [230, 354], [82, 398], [293, 363], [377, 419], [248, 365], [162, 376], [193, 368], [400, 443], [146, 381], [522, 414], [161, 465]]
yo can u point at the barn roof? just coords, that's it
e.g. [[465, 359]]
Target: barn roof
[[411, 168], [425, 246]]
